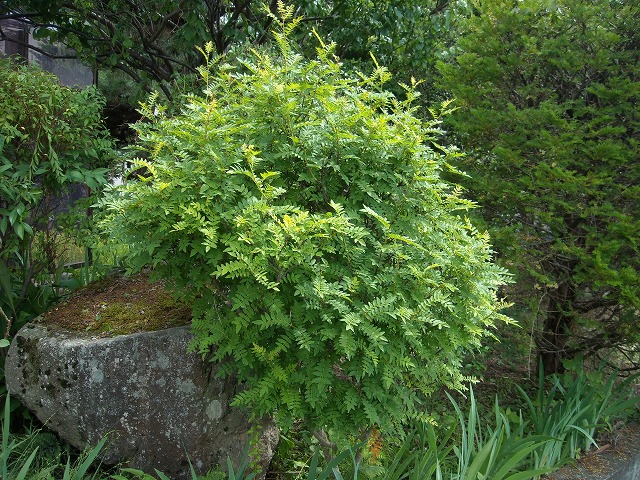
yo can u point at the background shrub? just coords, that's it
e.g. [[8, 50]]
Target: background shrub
[[50, 137], [549, 111]]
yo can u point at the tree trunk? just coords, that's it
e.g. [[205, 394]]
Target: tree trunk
[[552, 345]]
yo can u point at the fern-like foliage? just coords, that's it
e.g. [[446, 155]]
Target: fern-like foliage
[[303, 213]]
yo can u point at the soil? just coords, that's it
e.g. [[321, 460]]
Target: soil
[[609, 461], [118, 305]]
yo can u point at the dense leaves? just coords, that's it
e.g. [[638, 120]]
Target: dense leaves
[[50, 137], [402, 34], [149, 41], [548, 94], [155, 41], [303, 213]]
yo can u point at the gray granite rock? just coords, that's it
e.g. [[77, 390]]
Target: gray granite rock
[[160, 405]]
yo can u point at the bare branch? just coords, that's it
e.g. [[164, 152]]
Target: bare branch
[[364, 438], [325, 444], [25, 16], [165, 20], [7, 331]]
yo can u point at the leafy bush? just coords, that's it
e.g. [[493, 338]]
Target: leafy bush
[[303, 214], [50, 137]]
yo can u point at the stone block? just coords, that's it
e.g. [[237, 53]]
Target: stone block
[[161, 406]]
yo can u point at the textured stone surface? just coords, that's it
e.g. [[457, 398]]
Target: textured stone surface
[[157, 403]]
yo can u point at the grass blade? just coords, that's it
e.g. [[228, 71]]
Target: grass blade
[[161, 476], [22, 474], [88, 460], [6, 447]]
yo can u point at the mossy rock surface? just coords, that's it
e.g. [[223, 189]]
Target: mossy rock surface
[[119, 305]]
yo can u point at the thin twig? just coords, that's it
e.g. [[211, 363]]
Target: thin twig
[[7, 331]]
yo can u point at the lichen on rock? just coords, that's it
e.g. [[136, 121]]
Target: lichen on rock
[[160, 405]]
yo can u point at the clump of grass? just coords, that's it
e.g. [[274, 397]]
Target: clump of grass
[[20, 457], [573, 410]]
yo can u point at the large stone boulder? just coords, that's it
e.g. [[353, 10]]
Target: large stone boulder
[[161, 406]]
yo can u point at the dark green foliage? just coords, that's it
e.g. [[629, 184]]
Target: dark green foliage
[[153, 42], [402, 34], [303, 214], [549, 108]]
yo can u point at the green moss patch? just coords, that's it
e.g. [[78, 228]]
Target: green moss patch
[[119, 305]]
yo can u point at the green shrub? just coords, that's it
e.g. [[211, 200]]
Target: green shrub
[[303, 214], [50, 136]]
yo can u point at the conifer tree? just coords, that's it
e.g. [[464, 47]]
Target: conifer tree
[[548, 95]]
